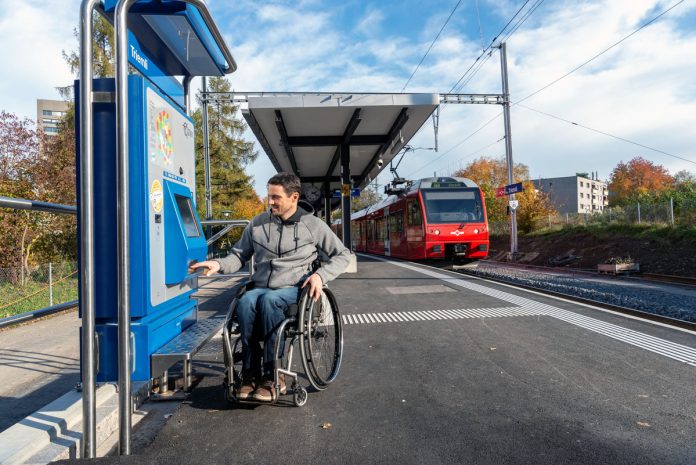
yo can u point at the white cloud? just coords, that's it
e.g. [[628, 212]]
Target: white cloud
[[642, 90], [33, 37], [370, 23]]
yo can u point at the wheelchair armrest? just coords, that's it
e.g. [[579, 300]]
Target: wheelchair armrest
[[291, 311]]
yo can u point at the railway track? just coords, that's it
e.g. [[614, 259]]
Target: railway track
[[670, 279], [677, 323]]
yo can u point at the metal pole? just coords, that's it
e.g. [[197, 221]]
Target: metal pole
[[89, 404], [125, 405], [345, 199], [206, 154], [671, 210], [187, 94], [508, 146], [327, 203], [50, 285], [638, 212]]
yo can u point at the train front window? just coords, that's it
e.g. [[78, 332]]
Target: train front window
[[453, 205]]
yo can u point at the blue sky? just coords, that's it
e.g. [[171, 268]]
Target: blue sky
[[642, 90]]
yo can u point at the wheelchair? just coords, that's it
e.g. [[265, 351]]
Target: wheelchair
[[318, 329]]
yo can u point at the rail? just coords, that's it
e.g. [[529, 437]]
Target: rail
[[683, 324], [34, 314], [24, 204], [228, 226]]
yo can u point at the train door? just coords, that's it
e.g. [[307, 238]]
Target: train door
[[387, 242]]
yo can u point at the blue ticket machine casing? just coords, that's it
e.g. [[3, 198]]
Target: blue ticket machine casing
[[165, 231]]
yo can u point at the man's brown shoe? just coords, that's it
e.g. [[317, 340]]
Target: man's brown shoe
[[266, 392], [246, 390]]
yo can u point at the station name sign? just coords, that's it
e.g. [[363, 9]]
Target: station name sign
[[354, 192], [509, 189]]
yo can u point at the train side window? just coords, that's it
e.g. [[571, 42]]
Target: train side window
[[414, 214], [396, 220]]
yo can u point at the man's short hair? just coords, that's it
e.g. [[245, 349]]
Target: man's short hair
[[290, 182]]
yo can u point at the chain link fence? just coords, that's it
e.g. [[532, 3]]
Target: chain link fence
[[659, 214], [26, 289]]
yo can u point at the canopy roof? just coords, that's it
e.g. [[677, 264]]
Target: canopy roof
[[303, 132]]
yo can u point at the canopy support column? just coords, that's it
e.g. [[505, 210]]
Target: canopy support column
[[345, 194], [327, 203]]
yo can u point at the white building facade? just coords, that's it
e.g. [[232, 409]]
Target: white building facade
[[576, 194]]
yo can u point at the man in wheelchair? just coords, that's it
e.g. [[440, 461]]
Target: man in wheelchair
[[285, 242]]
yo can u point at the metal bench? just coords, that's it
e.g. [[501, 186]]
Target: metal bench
[[182, 349]]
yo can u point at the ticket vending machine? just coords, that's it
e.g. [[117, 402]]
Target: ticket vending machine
[[165, 231]]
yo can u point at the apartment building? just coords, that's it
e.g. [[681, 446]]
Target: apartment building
[[582, 193], [49, 113]]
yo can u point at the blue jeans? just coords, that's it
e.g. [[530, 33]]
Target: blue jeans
[[264, 308]]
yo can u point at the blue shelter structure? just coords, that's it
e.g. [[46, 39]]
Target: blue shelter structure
[[136, 162]]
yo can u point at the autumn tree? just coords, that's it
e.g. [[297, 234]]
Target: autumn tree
[[491, 173], [639, 180], [368, 196], [19, 146]]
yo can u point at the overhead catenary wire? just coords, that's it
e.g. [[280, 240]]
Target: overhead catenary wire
[[475, 152], [490, 46], [431, 45], [485, 54], [458, 144], [643, 26], [574, 123], [522, 20]]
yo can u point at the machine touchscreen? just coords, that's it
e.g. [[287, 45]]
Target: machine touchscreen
[[186, 212]]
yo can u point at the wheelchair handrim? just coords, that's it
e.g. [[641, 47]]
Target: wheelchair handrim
[[317, 381]]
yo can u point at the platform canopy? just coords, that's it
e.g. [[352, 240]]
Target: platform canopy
[[306, 133]]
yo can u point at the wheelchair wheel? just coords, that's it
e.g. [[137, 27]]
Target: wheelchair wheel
[[321, 339]]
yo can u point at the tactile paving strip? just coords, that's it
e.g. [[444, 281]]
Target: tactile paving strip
[[657, 345]]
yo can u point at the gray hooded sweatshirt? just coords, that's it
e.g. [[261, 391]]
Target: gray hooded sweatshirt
[[284, 250]]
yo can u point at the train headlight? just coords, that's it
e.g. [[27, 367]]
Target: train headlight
[[476, 231], [437, 232]]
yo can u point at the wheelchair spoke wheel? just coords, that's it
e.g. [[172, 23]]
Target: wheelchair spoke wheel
[[321, 340]]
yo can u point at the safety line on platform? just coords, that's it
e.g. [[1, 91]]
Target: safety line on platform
[[653, 344], [444, 314]]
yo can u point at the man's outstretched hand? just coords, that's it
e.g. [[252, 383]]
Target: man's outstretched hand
[[315, 284], [212, 266]]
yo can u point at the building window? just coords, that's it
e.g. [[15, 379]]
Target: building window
[[581, 195]]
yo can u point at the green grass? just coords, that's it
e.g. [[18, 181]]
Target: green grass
[[63, 291], [663, 234]]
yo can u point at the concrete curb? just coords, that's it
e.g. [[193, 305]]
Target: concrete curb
[[55, 431]]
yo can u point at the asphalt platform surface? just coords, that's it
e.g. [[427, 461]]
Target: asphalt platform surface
[[518, 386]]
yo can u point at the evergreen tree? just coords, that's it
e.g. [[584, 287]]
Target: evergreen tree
[[230, 186]]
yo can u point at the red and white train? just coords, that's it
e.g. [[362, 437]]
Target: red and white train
[[432, 218]]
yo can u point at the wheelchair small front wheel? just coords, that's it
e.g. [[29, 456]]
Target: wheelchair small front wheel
[[321, 339], [299, 396]]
